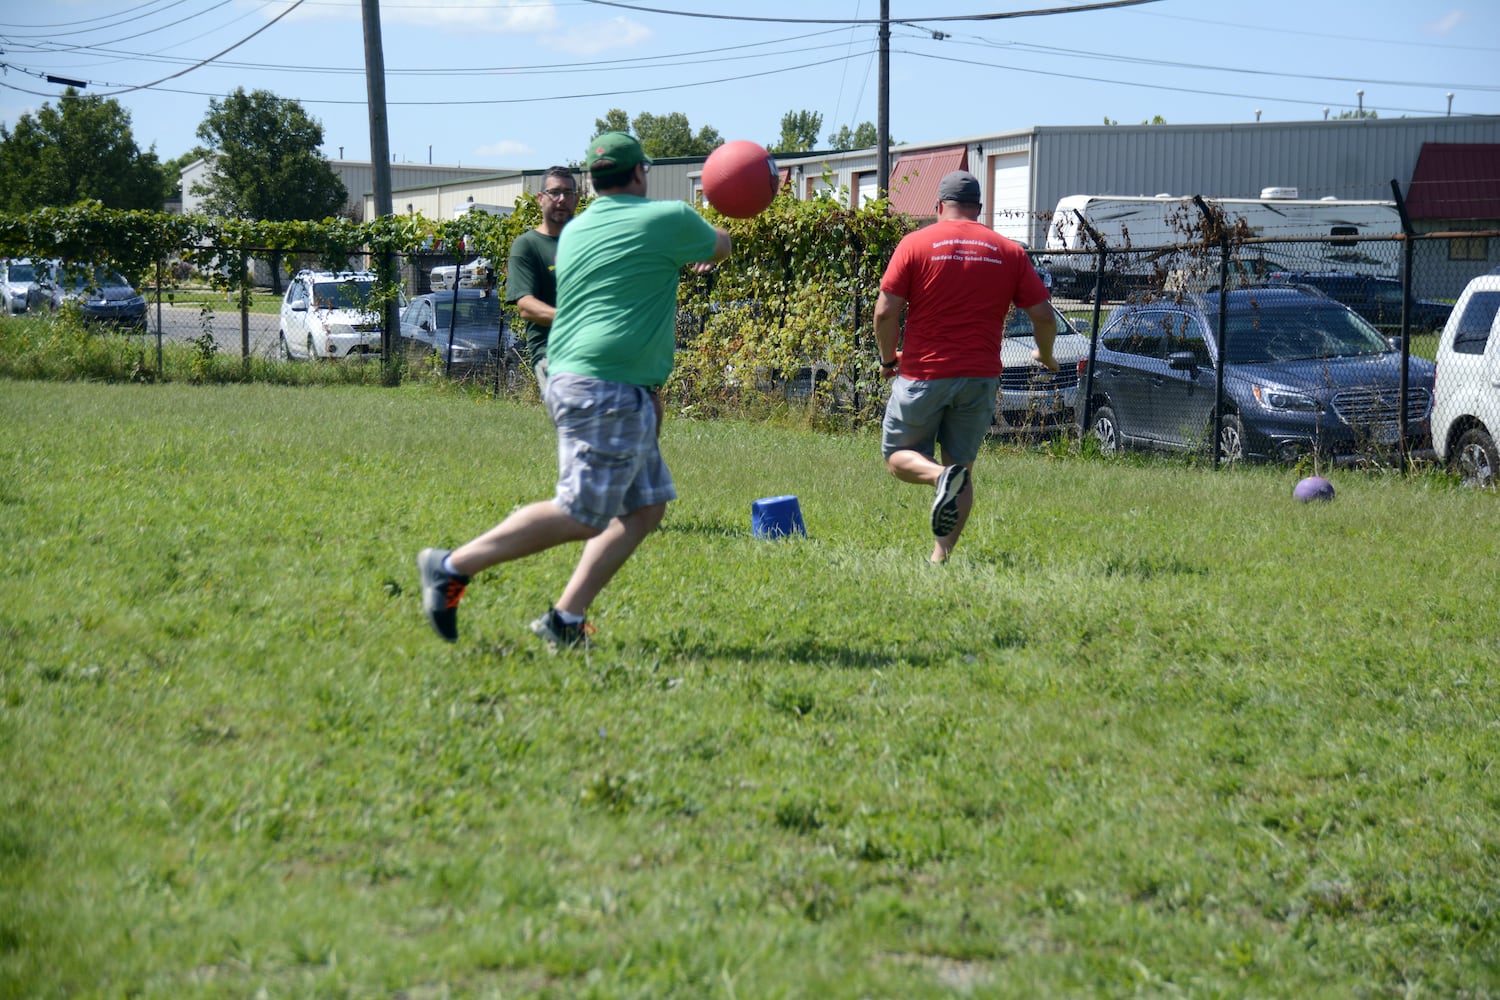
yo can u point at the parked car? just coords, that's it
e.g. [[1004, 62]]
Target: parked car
[[1466, 396], [327, 314], [1303, 373], [1376, 299], [1031, 397], [477, 273], [19, 288], [100, 294], [465, 338]]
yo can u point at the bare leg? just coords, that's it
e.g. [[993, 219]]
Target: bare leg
[[531, 529], [605, 553], [914, 467]]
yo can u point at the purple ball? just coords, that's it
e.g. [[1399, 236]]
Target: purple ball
[[1313, 488]]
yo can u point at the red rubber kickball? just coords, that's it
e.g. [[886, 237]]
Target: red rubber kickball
[[740, 179]]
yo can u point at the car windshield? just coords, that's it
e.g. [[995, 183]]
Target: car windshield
[[483, 312], [1018, 323], [76, 279], [342, 294], [1297, 332], [21, 272]]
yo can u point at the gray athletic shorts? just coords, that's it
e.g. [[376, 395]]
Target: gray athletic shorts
[[956, 413], [608, 461]]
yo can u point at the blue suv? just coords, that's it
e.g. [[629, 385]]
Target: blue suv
[[1302, 374], [1376, 299]]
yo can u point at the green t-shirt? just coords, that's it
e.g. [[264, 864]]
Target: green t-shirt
[[617, 269], [531, 270]]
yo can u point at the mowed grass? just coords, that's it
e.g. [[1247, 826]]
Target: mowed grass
[[1155, 731]]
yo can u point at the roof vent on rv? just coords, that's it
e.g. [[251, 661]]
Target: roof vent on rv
[[1271, 194]]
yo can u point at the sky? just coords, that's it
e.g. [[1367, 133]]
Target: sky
[[521, 83]]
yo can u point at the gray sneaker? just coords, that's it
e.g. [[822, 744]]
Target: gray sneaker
[[945, 505], [558, 634], [441, 591]]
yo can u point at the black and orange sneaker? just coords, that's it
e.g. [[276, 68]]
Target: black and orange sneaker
[[558, 634], [441, 591]]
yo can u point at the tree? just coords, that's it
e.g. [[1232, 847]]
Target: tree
[[266, 163], [862, 136], [799, 132], [664, 135], [82, 150]]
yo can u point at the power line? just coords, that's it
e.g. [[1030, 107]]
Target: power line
[[1147, 86], [1080, 8]]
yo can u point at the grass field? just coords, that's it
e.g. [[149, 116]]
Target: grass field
[[1155, 731]]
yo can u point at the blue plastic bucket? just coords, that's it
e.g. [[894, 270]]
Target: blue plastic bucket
[[776, 517]]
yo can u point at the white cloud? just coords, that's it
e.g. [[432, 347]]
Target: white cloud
[[504, 149], [599, 36], [496, 16], [1446, 24]]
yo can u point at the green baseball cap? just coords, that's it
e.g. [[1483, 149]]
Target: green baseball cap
[[614, 151]]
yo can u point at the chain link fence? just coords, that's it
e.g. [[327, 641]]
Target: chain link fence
[[1311, 349]]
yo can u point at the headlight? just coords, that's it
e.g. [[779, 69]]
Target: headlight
[[1280, 399]]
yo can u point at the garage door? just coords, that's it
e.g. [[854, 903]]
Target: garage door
[[1010, 200]]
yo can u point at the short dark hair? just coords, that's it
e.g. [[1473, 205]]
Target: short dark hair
[[609, 180], [560, 173]]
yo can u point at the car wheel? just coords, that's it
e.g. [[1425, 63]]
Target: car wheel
[[312, 349], [1231, 439], [1105, 428], [1476, 459], [283, 349]]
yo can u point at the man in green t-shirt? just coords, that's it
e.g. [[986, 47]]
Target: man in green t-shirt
[[608, 352], [530, 279]]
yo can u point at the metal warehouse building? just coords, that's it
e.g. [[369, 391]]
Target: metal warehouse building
[[1448, 168]]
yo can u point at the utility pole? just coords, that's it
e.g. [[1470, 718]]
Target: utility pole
[[883, 116], [380, 164]]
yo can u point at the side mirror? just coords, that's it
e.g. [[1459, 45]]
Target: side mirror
[[299, 306], [1182, 361]]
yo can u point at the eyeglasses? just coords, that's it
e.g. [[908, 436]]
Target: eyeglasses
[[558, 194]]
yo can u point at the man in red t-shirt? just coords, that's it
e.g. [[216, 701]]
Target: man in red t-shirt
[[955, 281]]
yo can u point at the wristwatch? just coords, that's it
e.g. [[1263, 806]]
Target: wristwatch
[[891, 363]]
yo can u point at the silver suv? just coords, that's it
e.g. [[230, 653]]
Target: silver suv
[[327, 314]]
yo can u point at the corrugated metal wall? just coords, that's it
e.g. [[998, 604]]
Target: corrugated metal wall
[[1342, 159]]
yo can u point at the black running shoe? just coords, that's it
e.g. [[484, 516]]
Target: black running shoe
[[558, 634], [441, 591], [945, 505]]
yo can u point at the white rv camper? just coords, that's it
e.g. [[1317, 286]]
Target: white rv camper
[[1152, 227]]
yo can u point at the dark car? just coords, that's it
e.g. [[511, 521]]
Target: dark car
[[100, 294], [477, 339], [1376, 299], [1303, 373]]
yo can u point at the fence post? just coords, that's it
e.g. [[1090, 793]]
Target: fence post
[[1086, 414], [1408, 250], [158, 318], [1216, 227], [245, 309]]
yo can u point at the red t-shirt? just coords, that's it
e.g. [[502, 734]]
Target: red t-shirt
[[959, 279]]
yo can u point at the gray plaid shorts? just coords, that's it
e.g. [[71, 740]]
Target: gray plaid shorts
[[608, 459], [956, 413]]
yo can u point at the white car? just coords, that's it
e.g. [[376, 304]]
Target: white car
[[20, 285], [477, 273], [327, 314], [1466, 393]]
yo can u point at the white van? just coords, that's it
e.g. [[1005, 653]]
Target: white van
[[1466, 394]]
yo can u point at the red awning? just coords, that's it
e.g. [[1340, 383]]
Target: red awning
[[1455, 180], [915, 177]]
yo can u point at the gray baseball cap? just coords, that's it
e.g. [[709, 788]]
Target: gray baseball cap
[[960, 186]]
